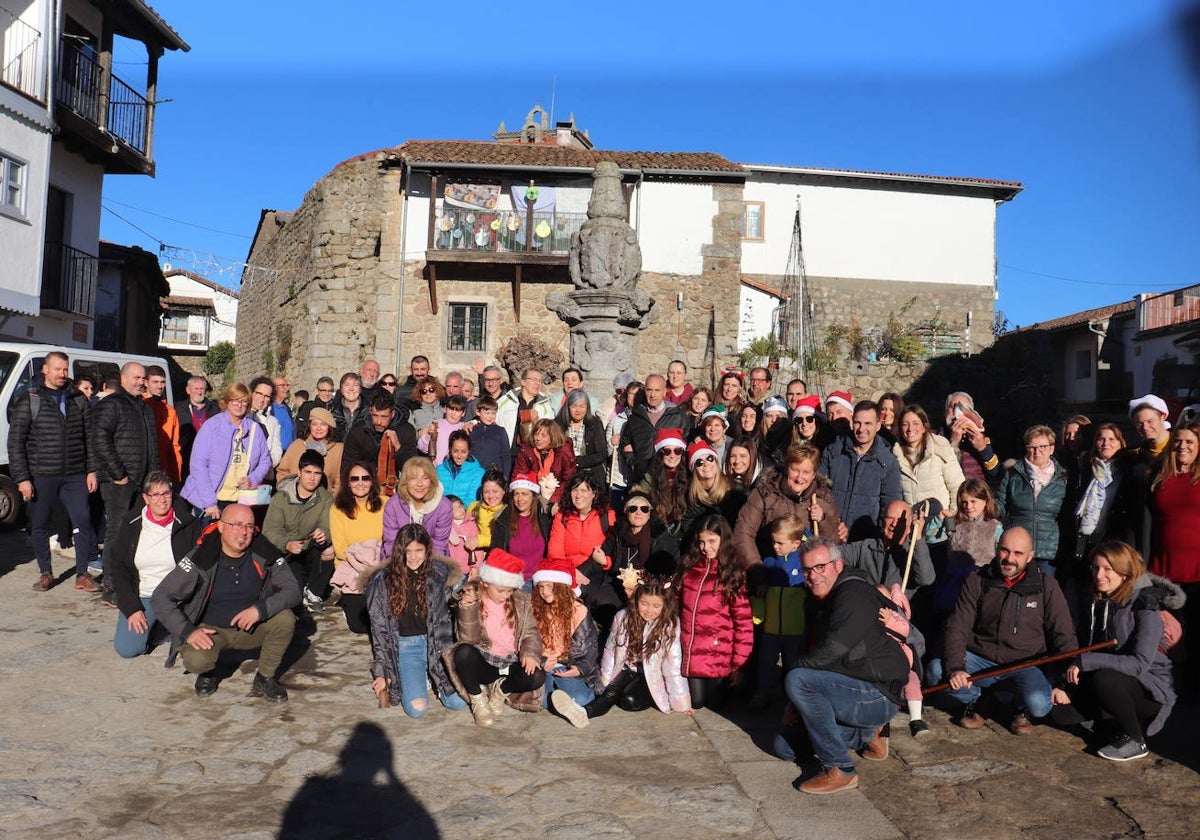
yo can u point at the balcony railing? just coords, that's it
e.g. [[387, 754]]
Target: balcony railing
[[506, 231], [80, 83], [69, 280], [21, 56], [1170, 309]]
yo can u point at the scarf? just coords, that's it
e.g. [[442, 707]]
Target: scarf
[[420, 510], [385, 468], [1039, 477], [637, 546], [1092, 503]]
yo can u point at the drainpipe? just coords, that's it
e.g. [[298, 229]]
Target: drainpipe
[[404, 188]]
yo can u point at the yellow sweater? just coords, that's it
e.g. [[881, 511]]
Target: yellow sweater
[[345, 531]]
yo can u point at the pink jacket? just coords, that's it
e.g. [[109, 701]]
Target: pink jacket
[[716, 637], [667, 684], [459, 534]]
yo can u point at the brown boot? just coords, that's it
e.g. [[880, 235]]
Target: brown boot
[[976, 714], [495, 698], [480, 709], [877, 750], [1020, 724], [86, 584], [831, 780]]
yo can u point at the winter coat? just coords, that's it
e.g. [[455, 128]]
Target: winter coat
[[863, 485], [347, 419], [491, 447], [426, 414], [442, 578], [1040, 517], [166, 422], [662, 668], [500, 528], [435, 515], [1137, 626], [784, 606], [441, 446], [188, 430], [529, 460], [181, 598], [639, 432], [472, 631], [728, 509], [574, 539], [123, 438], [716, 636], [851, 640], [363, 442], [1175, 537], [594, 458], [290, 518], [937, 475], [460, 532], [50, 444], [883, 565], [769, 499], [212, 452], [585, 653], [289, 464], [119, 566], [508, 410], [1004, 624], [664, 552], [463, 482]]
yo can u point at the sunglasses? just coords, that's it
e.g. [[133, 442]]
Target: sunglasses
[[706, 459], [806, 419], [637, 509], [359, 478], [429, 390], [672, 451], [388, 383]]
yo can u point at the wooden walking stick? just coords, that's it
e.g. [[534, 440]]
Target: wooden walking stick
[[1001, 670], [912, 544]]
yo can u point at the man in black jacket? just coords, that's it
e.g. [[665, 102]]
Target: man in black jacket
[[48, 458], [637, 438], [231, 592], [124, 446], [192, 413], [365, 442], [847, 687]]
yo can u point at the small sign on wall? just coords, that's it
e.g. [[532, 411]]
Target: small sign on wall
[[79, 332]]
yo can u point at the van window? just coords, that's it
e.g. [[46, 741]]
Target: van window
[[30, 372], [97, 370]]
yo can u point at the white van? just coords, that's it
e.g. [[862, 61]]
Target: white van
[[20, 365]]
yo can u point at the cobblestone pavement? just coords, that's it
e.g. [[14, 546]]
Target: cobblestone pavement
[[95, 746]]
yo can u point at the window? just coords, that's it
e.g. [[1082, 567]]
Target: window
[[752, 220], [12, 184], [468, 327], [174, 328], [1083, 364]]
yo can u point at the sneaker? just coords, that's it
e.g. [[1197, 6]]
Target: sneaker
[[96, 567], [1123, 748], [877, 750], [109, 598], [86, 584], [335, 595], [832, 780], [1020, 724], [311, 601], [918, 728], [566, 706], [44, 582], [269, 688]]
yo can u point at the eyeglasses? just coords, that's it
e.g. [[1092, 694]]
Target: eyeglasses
[[706, 459], [239, 526], [757, 379], [268, 394], [491, 379], [166, 494], [359, 478], [324, 390], [809, 571], [637, 508], [1044, 447]]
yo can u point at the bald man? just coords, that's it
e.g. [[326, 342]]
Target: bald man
[[882, 558], [1007, 611]]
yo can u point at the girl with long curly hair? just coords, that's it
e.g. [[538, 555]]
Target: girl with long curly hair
[[570, 653], [408, 602], [717, 631]]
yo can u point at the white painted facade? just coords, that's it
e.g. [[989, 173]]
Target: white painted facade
[[1079, 371], [757, 315], [673, 222], [852, 231], [203, 330]]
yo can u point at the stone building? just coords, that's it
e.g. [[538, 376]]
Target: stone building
[[449, 248]]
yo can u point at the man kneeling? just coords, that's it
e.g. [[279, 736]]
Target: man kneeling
[[847, 689], [230, 592]]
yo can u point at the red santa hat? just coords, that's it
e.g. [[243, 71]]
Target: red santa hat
[[807, 405], [669, 437], [555, 570], [503, 569], [698, 450], [525, 481], [841, 398]]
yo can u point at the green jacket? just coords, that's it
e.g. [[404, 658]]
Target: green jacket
[[1040, 516], [289, 518]]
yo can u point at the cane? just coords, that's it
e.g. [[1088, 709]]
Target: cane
[[912, 544], [1001, 670]]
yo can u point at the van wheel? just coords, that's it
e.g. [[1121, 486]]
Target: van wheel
[[10, 501]]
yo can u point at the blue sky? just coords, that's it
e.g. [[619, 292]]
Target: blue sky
[[1094, 106]]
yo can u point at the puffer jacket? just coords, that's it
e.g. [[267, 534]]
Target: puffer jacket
[[639, 432], [1138, 628], [529, 460], [863, 485], [585, 653], [291, 518], [123, 438], [463, 482], [212, 452], [716, 636], [1003, 623], [937, 475], [49, 444], [1040, 516], [664, 678], [770, 499], [883, 565], [443, 577]]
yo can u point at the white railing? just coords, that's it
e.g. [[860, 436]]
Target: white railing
[[22, 57]]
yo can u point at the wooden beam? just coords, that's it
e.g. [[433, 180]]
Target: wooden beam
[[517, 293], [151, 96], [433, 306], [433, 194], [106, 60]]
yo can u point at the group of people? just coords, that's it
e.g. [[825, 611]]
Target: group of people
[[667, 546]]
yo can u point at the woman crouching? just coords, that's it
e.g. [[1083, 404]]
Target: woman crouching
[[499, 654], [570, 652], [408, 604]]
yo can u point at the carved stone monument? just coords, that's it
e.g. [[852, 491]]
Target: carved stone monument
[[606, 311]]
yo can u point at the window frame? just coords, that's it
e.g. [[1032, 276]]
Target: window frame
[[10, 164], [762, 220], [173, 317], [468, 305]]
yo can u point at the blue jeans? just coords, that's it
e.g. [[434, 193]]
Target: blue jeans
[[412, 663], [574, 686], [840, 713], [1028, 688], [128, 643]]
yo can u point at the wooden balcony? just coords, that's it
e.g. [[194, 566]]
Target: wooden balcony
[[69, 280]]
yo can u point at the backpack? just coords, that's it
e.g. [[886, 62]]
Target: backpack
[[35, 404]]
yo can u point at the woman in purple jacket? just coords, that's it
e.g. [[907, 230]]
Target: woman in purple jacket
[[418, 501], [230, 454]]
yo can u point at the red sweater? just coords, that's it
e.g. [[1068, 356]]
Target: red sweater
[[1175, 539], [717, 637]]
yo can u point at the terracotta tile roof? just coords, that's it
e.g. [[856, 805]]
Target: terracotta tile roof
[[1078, 318], [488, 153], [908, 176], [185, 302]]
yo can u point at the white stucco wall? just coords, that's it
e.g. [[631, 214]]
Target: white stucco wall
[[873, 233], [85, 183], [674, 222], [21, 235], [757, 310], [1075, 389], [224, 327]]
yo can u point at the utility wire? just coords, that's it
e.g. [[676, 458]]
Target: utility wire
[[178, 221], [135, 227], [1085, 282]]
